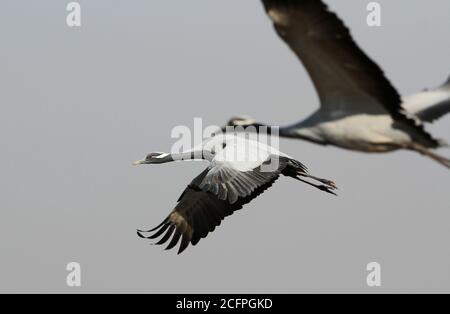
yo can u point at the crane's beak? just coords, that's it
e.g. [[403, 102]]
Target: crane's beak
[[139, 162]]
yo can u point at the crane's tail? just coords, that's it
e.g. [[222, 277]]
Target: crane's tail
[[325, 184], [426, 152]]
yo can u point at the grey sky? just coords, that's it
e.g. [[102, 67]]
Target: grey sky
[[79, 105]]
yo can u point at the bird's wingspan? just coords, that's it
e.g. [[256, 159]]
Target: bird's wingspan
[[200, 209], [346, 79]]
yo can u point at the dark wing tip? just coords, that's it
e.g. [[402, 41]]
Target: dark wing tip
[[162, 227], [157, 227], [184, 243], [173, 227], [166, 235], [139, 233], [269, 4], [176, 237]]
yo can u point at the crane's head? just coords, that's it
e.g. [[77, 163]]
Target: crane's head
[[153, 158], [241, 121]]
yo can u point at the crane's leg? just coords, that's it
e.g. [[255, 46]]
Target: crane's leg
[[427, 152], [321, 187], [327, 186], [328, 183]]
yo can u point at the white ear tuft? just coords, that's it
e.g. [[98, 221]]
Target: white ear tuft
[[241, 120], [163, 155]]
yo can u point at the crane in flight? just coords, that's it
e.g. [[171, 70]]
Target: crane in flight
[[240, 169], [359, 108]]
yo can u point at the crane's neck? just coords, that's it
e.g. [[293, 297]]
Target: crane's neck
[[187, 155], [305, 131], [257, 127], [300, 130]]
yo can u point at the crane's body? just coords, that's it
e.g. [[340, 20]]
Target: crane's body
[[361, 132]]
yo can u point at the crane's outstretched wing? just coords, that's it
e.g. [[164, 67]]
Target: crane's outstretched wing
[[200, 209], [346, 79], [429, 105]]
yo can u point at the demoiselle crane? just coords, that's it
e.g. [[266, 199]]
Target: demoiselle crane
[[359, 108], [240, 169]]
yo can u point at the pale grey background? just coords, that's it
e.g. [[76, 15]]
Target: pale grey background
[[77, 106]]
